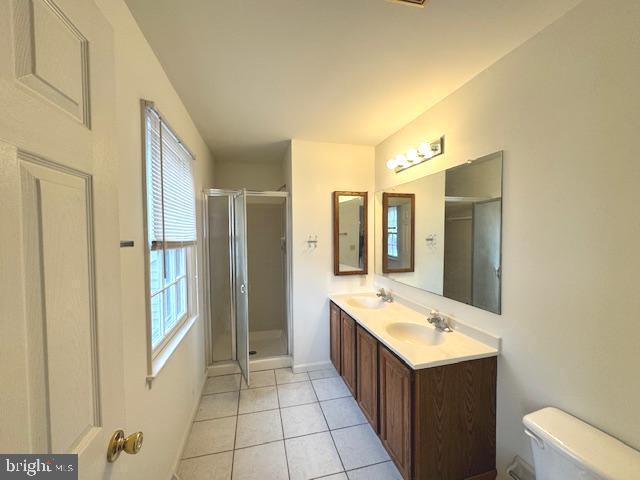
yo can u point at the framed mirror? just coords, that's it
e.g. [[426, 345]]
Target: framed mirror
[[398, 232], [350, 236], [453, 246]]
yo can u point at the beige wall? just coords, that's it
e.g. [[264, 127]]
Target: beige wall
[[564, 107], [316, 171], [163, 412], [250, 175]]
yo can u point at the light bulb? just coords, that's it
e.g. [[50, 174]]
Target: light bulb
[[391, 164], [401, 160], [412, 154], [425, 149]]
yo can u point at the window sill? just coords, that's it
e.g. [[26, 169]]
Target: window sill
[[163, 356]]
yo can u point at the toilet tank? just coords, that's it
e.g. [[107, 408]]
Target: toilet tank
[[566, 448]]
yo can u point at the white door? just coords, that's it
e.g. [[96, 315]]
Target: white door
[[61, 366]]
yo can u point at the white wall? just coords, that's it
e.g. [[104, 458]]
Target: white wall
[[267, 175], [316, 171], [564, 107], [163, 412]]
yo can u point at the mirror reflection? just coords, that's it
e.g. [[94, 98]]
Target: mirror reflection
[[398, 227], [350, 233], [454, 245]]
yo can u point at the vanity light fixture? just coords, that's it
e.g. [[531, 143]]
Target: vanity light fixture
[[415, 156]]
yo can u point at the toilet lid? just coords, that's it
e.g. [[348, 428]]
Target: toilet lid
[[593, 449]]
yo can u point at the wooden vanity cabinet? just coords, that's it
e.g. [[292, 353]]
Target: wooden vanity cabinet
[[396, 413], [348, 354], [436, 423], [367, 375], [335, 327]]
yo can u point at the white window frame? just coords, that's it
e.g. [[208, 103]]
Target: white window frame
[[158, 356], [389, 234]]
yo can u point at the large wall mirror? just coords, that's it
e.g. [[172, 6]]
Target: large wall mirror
[[350, 233], [455, 238]]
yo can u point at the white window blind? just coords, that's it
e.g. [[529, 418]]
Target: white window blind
[[170, 188]]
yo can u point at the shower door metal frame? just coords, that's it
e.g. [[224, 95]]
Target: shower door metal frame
[[229, 194], [217, 192]]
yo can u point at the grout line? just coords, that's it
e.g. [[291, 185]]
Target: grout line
[[284, 443], [330, 435], [235, 435], [207, 455], [236, 415]]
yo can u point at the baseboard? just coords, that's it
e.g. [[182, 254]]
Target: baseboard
[[310, 367], [485, 476], [185, 436], [520, 470]]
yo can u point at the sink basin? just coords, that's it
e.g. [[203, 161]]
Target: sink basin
[[415, 334], [365, 302]]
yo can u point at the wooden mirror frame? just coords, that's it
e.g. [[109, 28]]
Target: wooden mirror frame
[[336, 233], [385, 238]]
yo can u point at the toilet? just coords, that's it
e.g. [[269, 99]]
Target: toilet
[[566, 448]]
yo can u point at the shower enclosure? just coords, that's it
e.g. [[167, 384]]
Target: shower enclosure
[[246, 277]]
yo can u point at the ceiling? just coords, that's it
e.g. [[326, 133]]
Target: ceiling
[[254, 73]]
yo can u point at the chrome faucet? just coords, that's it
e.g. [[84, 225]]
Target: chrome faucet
[[440, 321], [384, 295]]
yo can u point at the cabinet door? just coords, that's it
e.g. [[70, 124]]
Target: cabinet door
[[395, 410], [349, 352], [367, 375], [334, 334]]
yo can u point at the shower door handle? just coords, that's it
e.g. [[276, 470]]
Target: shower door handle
[[243, 288]]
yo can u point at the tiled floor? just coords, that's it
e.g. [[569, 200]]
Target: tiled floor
[[285, 427]]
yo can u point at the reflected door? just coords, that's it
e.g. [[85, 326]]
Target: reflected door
[[241, 283], [487, 220]]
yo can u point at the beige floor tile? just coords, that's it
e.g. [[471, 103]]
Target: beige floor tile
[[330, 388], [217, 405], [359, 446], [382, 471], [342, 412], [210, 436], [261, 463], [222, 384], [312, 456], [256, 428], [258, 399], [286, 375], [209, 467], [303, 420], [296, 394], [327, 373], [265, 378]]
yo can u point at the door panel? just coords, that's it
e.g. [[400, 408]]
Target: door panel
[[395, 410], [241, 283], [367, 375], [57, 212], [487, 227], [60, 260], [348, 356]]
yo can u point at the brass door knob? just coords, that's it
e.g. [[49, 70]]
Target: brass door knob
[[130, 444]]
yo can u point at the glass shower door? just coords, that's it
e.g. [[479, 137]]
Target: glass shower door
[[241, 283]]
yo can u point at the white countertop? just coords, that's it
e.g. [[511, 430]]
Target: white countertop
[[464, 343]]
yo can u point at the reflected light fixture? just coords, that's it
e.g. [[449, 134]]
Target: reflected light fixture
[[415, 156]]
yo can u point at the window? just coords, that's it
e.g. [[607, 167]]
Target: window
[[392, 231], [171, 231]]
